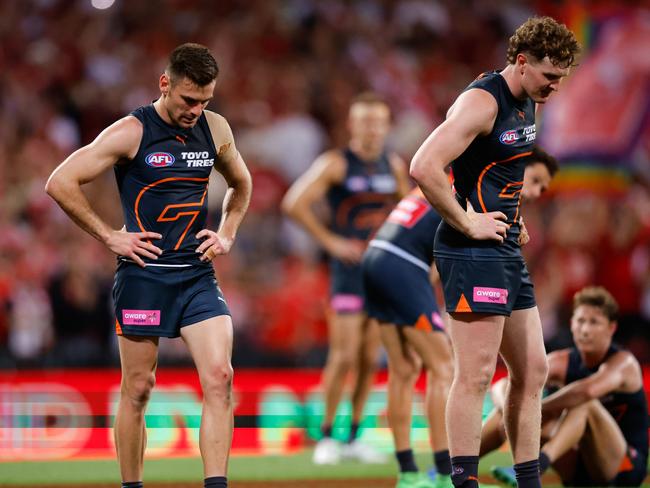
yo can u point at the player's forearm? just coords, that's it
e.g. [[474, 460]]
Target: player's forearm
[[72, 200], [235, 205], [568, 396], [434, 183]]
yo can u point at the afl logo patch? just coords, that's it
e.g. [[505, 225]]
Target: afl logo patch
[[159, 159], [508, 137]]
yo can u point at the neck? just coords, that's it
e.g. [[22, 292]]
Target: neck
[[365, 153], [513, 80], [159, 106], [593, 359]]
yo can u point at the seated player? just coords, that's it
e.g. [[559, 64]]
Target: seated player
[[398, 277], [595, 426]]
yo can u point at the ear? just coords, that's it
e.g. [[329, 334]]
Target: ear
[[164, 83], [614, 325], [520, 62]]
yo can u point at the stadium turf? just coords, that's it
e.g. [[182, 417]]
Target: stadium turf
[[242, 468]]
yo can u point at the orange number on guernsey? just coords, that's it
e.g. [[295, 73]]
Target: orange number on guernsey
[[165, 214], [513, 190]]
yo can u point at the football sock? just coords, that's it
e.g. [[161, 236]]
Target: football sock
[[464, 473], [544, 462], [216, 482], [406, 461], [442, 461], [528, 474], [354, 431]]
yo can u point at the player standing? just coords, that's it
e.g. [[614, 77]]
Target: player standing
[[486, 137], [361, 184], [163, 155]]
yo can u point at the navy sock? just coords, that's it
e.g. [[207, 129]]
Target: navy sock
[[464, 473], [216, 482], [354, 431], [528, 474], [326, 430], [442, 461], [132, 484], [406, 461], [544, 462]]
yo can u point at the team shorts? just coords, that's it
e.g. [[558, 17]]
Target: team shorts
[[492, 287], [398, 291], [633, 472], [158, 301], [346, 287]]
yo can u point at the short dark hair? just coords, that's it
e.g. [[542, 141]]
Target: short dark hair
[[194, 62], [369, 97], [540, 156], [599, 297], [541, 37]]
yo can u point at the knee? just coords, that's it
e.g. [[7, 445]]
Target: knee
[[533, 378], [217, 382], [403, 372], [475, 378], [137, 388], [442, 373], [341, 359]]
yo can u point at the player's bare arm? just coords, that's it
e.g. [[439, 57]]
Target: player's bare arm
[[401, 174], [326, 171], [620, 373], [118, 142], [558, 362], [235, 202], [472, 115]]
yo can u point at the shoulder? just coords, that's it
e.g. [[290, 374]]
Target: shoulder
[[558, 362], [625, 359], [218, 124], [476, 98], [395, 160], [333, 164], [474, 110], [121, 138]]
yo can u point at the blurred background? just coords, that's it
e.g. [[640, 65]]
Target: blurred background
[[69, 68]]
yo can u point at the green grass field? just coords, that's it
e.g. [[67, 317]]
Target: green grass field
[[242, 468]]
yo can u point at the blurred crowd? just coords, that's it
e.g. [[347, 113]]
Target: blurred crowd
[[288, 71]]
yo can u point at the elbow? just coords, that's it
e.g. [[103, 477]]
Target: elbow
[[417, 169], [287, 206], [52, 186]]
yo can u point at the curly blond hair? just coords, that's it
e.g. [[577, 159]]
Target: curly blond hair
[[541, 37]]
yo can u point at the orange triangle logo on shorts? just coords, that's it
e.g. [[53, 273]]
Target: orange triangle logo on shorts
[[423, 324], [463, 305]]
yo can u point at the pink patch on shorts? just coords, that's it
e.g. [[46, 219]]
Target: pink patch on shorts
[[490, 295], [140, 317], [437, 320], [347, 303]]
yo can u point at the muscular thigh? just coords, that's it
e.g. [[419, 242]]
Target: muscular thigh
[[475, 339], [603, 446], [346, 331], [522, 346]]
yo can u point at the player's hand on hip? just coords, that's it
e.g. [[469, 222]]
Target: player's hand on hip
[[487, 226], [134, 245], [349, 251], [524, 236], [213, 245]]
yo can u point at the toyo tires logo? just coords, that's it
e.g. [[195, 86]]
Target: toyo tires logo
[[159, 159]]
